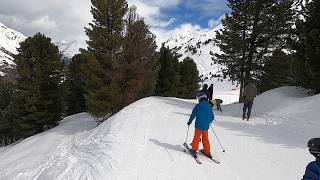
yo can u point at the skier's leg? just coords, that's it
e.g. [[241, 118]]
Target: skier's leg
[[245, 106], [196, 139], [249, 109], [205, 142], [219, 107]]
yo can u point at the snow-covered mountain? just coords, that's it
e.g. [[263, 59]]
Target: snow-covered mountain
[[144, 141], [69, 49], [199, 44], [9, 42]]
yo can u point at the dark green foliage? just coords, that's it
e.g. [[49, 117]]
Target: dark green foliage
[[277, 72], [138, 70], [308, 46], [105, 52], [39, 85], [75, 86], [168, 77], [7, 94], [176, 79], [252, 32], [189, 79], [103, 96]]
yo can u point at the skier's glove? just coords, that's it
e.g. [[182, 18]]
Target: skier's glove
[[188, 123]]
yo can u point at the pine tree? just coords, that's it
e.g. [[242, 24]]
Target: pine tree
[[75, 83], [307, 46], [189, 79], [7, 127], [105, 51], [252, 32], [39, 85], [168, 77], [277, 72], [138, 67]]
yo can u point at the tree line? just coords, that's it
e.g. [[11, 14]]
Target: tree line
[[274, 42], [120, 65]]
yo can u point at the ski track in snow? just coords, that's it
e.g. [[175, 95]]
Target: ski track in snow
[[144, 141]]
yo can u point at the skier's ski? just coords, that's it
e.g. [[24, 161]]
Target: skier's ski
[[188, 149], [214, 160]]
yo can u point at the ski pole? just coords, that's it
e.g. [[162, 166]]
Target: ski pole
[[223, 150], [187, 134]]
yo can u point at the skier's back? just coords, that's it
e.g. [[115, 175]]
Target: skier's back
[[249, 93], [204, 116]]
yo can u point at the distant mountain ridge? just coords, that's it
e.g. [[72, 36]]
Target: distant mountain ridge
[[199, 45], [9, 42], [69, 49]]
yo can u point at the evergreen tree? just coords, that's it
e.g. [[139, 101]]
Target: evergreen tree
[[277, 72], [105, 51], [251, 33], [189, 79], [39, 85], [7, 127], [168, 77], [138, 67], [308, 46], [75, 83]]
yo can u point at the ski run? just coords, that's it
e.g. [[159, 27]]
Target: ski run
[[145, 141]]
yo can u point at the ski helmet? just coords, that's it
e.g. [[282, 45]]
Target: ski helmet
[[202, 97], [314, 147]]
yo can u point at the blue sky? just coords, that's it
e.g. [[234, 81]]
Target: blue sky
[[65, 20], [196, 13], [171, 17]]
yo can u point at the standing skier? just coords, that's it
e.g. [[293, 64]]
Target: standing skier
[[249, 93], [313, 168], [205, 91], [210, 89], [204, 116]]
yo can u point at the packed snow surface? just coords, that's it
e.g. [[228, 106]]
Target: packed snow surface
[[144, 141]]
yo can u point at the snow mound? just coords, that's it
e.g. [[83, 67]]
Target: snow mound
[[144, 141]]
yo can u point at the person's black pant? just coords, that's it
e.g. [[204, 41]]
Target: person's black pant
[[219, 106], [247, 105]]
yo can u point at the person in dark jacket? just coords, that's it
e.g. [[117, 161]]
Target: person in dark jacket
[[205, 90], [249, 93], [313, 168], [210, 89], [219, 102], [203, 114]]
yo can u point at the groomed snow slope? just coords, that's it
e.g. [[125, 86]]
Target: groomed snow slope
[[144, 141]]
